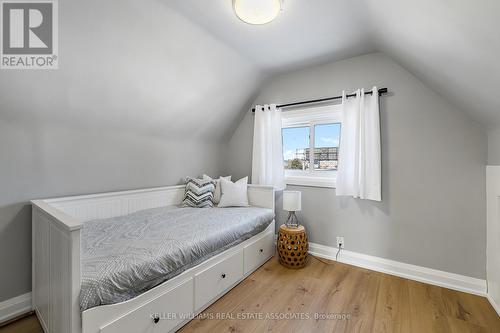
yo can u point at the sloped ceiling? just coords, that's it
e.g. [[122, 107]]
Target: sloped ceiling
[[133, 67], [451, 45]]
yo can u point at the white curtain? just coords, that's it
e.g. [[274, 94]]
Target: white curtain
[[267, 158], [359, 166]]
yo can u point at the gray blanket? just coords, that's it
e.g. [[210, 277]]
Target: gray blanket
[[124, 256]]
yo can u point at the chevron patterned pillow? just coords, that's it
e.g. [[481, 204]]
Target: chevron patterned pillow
[[199, 193]]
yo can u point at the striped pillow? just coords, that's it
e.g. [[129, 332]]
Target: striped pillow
[[199, 193]]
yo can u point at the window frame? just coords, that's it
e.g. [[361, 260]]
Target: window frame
[[310, 117]]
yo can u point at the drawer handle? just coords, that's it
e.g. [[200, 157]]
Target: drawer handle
[[223, 275], [156, 319], [261, 250]]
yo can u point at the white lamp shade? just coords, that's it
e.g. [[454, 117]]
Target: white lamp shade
[[292, 201], [257, 11]]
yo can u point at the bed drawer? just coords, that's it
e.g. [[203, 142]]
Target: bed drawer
[[258, 252], [160, 315], [217, 278]]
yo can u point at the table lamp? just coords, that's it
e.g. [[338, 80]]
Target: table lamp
[[292, 204]]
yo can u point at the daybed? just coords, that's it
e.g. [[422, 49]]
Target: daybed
[[130, 262]]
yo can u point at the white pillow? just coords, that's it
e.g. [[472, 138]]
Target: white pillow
[[217, 192], [234, 194]]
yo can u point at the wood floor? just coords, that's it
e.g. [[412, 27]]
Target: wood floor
[[372, 302], [27, 324], [348, 299]]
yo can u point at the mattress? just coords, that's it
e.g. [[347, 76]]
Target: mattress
[[124, 256]]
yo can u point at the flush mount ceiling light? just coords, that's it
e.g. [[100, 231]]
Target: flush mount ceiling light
[[257, 11]]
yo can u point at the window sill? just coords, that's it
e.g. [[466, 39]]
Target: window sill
[[311, 181]]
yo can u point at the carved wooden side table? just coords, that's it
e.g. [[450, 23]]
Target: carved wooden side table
[[292, 246]]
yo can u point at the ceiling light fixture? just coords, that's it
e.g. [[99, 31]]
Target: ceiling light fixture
[[257, 11]]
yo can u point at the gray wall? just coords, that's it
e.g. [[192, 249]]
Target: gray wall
[[134, 104], [44, 161], [494, 146], [434, 156]]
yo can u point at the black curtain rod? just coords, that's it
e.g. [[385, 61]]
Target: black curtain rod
[[381, 91]]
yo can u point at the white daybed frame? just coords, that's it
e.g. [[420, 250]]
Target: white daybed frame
[[167, 307]]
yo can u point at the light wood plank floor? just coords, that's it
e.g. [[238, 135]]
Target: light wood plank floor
[[27, 324], [355, 299], [374, 302]]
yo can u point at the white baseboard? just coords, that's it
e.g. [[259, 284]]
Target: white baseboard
[[422, 274], [14, 307], [493, 304]]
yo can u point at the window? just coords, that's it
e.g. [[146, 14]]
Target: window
[[296, 148], [326, 146], [311, 140]]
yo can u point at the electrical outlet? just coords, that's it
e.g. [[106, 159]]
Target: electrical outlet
[[340, 242]]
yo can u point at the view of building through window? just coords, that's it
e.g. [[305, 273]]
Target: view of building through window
[[295, 144], [297, 150], [326, 146]]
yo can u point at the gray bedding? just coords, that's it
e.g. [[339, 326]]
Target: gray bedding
[[124, 256]]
